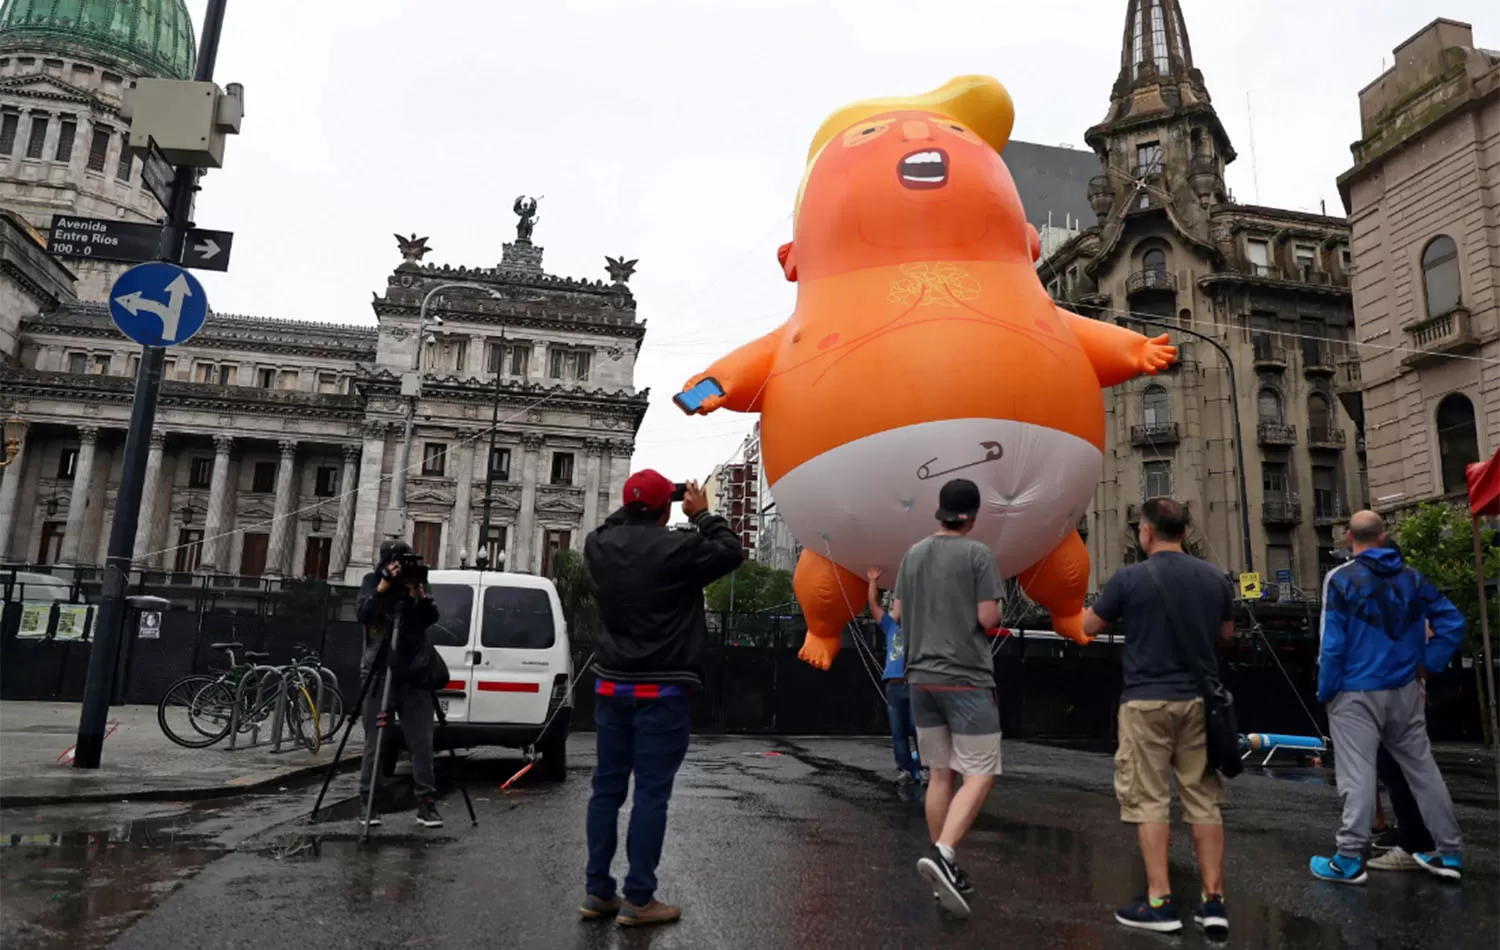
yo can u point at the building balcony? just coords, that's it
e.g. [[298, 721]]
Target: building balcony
[[1348, 376], [1101, 195], [1144, 282], [1318, 361], [1327, 514], [1326, 438], [1276, 434], [1269, 354], [1308, 274], [1301, 277], [1205, 177], [1149, 434], [1281, 509], [1440, 336]]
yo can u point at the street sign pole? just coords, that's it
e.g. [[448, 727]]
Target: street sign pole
[[111, 617]]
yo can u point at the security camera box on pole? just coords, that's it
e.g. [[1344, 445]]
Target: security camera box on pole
[[188, 120]]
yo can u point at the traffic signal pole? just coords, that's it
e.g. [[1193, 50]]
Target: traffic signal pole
[[110, 619]]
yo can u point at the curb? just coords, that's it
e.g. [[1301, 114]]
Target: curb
[[189, 794]]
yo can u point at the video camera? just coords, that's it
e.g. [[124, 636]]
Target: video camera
[[413, 570]]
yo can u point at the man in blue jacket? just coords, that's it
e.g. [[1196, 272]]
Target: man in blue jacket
[[1374, 638], [897, 696]]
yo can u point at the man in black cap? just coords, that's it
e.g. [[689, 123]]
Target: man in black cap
[[947, 595], [382, 596]]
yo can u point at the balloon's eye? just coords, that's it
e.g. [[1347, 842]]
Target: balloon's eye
[[869, 132]]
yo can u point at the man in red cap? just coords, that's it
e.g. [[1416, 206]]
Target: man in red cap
[[650, 584]]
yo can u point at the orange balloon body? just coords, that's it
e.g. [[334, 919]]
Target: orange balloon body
[[923, 348]]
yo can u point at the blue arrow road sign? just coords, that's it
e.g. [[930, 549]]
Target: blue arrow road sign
[[158, 304]]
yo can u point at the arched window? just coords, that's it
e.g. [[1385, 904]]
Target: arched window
[[1154, 261], [1319, 413], [1268, 407], [1440, 276], [1156, 406], [1458, 440]]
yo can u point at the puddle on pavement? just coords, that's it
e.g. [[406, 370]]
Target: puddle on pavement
[[80, 887]]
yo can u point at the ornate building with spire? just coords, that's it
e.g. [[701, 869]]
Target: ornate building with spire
[[1171, 249], [276, 441]]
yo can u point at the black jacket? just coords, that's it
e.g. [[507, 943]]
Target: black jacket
[[377, 611], [650, 583]]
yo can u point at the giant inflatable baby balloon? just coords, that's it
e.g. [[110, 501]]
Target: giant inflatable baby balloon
[[924, 348]]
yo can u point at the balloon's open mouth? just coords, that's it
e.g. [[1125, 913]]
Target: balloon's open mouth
[[924, 169]]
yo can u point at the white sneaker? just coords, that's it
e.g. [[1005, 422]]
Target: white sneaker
[[1394, 860]]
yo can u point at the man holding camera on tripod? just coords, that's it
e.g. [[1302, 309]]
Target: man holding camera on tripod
[[384, 597]]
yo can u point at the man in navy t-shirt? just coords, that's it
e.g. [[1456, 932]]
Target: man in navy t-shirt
[[897, 698]]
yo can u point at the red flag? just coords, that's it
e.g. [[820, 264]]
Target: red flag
[[1484, 487]]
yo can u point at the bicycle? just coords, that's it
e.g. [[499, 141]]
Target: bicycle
[[242, 698], [207, 698], [329, 699]]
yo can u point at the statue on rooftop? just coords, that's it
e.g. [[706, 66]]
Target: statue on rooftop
[[525, 209], [619, 269], [413, 249]]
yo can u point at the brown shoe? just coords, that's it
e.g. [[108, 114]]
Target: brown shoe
[[653, 913], [593, 907]]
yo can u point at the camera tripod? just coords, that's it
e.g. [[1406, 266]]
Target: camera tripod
[[386, 656]]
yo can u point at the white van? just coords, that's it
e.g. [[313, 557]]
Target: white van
[[509, 661]]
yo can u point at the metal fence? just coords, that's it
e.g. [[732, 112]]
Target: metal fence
[[754, 682], [46, 632]]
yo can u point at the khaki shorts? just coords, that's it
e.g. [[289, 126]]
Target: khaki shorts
[[958, 728], [1158, 737]]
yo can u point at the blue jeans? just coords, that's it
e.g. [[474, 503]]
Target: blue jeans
[[903, 732], [647, 737]]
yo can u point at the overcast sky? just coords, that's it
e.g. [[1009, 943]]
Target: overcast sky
[[674, 131]]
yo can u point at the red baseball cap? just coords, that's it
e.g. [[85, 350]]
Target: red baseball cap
[[650, 489]]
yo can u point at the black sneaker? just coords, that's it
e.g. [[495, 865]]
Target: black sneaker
[[427, 814], [948, 882], [1158, 916], [1213, 917], [1384, 840]]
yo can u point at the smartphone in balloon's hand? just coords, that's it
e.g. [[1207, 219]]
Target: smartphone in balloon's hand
[[692, 399]]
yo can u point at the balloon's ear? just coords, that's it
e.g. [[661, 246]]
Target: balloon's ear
[[1034, 241], [788, 262]]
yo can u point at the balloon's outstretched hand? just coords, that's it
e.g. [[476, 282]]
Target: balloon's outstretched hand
[[1157, 354]]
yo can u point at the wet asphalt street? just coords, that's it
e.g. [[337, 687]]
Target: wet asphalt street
[[773, 843]]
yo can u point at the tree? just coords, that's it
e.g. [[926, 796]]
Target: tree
[[756, 587], [1439, 541], [576, 591]]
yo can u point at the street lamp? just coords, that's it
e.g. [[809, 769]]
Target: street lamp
[[15, 435], [1234, 398], [489, 462], [411, 388]]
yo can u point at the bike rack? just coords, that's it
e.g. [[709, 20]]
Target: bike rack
[[263, 676], [258, 674]]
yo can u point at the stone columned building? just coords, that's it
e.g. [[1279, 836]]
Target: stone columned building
[[276, 440]]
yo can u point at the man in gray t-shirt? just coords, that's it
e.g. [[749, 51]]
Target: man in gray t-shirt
[[947, 595], [942, 579]]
